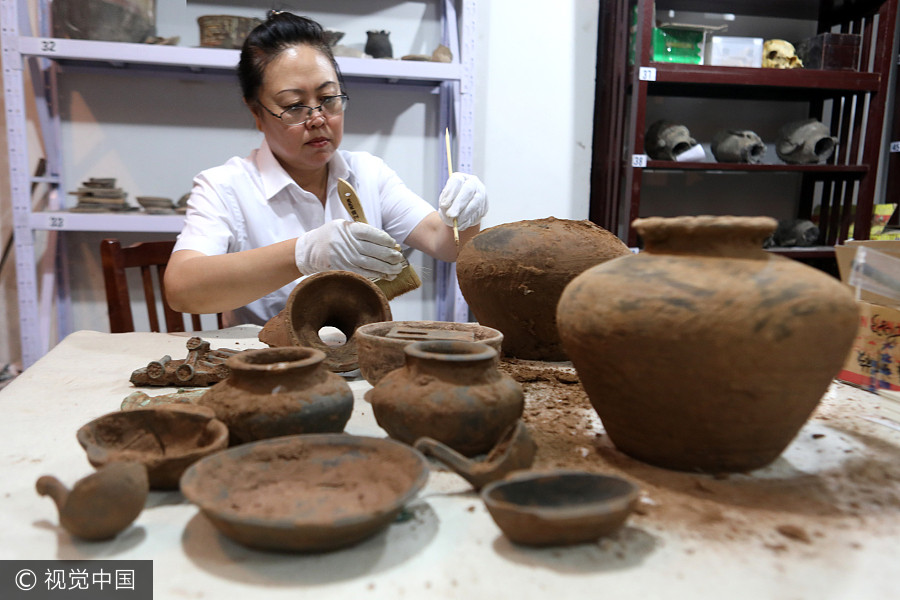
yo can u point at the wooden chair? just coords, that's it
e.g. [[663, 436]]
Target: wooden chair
[[147, 256]]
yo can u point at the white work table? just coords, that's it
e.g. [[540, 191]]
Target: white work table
[[822, 522]]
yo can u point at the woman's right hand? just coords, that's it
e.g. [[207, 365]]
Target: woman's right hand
[[341, 245]]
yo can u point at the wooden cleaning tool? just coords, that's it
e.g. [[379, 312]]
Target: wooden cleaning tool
[[450, 174], [408, 279]]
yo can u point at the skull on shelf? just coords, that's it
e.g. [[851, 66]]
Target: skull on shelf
[[805, 142], [665, 140], [742, 146], [779, 54]]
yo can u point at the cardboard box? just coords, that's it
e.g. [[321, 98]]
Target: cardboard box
[[874, 360], [730, 51]]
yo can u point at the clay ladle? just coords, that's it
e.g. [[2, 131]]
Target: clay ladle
[[514, 451], [102, 504]]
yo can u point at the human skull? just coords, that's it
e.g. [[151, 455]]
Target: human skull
[[779, 54], [805, 142], [738, 146], [665, 140]]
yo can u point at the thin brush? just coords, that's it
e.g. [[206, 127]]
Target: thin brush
[[450, 174], [408, 279]]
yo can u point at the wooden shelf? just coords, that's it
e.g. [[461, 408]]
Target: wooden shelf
[[820, 82], [822, 172], [135, 221]]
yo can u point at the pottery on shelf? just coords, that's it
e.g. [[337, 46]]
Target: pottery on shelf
[[380, 345], [705, 352], [805, 142], [450, 391], [512, 276], [378, 44], [339, 299], [280, 391], [733, 146]]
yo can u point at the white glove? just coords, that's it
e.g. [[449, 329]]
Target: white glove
[[348, 246], [464, 199]]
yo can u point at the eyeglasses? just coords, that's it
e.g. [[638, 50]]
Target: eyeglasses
[[299, 114]]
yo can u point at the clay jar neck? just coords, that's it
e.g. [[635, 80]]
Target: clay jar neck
[[465, 363], [737, 237], [277, 368]]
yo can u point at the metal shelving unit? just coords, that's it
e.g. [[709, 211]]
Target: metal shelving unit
[[453, 82]]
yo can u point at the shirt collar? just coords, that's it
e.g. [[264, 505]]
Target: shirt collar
[[275, 178]]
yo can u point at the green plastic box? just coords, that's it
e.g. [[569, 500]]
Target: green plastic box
[[677, 45]]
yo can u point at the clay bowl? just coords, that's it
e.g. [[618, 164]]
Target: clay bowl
[[166, 440], [305, 493], [559, 508], [379, 355]]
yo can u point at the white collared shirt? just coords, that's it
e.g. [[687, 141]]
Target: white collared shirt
[[252, 202]]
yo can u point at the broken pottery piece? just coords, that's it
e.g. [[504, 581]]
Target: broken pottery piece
[[380, 351], [102, 504], [166, 440], [202, 367], [559, 508], [515, 451], [339, 299], [450, 391], [306, 493], [280, 391]]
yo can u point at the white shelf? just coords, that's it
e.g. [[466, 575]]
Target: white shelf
[[192, 60], [94, 221]]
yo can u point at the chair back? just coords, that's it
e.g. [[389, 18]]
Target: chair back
[[148, 257]]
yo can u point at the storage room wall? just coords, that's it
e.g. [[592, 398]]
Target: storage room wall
[[533, 111]]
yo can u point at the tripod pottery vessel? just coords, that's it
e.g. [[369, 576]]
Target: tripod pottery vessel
[[279, 391], [705, 352], [512, 276], [450, 391], [339, 299]]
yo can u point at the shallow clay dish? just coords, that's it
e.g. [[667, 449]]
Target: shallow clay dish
[[165, 439], [309, 492], [559, 508], [379, 355]]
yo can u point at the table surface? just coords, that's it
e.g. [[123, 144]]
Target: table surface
[[821, 522]]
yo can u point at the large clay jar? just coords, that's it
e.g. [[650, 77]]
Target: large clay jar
[[705, 352], [512, 276], [279, 391], [338, 299], [449, 391]]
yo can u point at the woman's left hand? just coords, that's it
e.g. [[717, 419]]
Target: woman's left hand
[[464, 199]]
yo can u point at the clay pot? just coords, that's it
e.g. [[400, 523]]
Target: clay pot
[[379, 354], [165, 439], [338, 299], [512, 275], [452, 392], [742, 146], [805, 142], [280, 391], [705, 352], [378, 44]]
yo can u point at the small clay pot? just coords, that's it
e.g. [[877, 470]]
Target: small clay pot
[[452, 392], [512, 276], [338, 299], [165, 439], [559, 508], [102, 504], [378, 44], [280, 391], [705, 352], [379, 355]]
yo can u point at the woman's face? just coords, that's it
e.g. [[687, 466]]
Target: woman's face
[[300, 75]]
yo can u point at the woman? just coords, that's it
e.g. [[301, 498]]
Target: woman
[[256, 224]]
